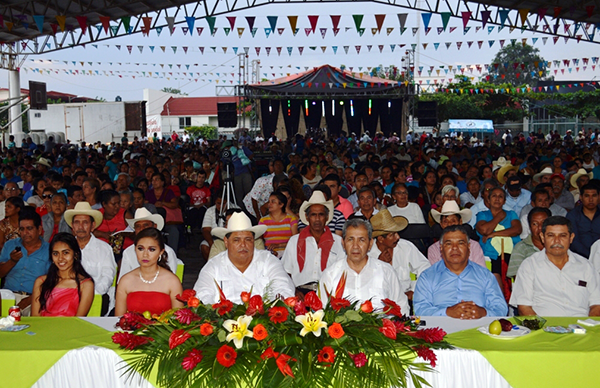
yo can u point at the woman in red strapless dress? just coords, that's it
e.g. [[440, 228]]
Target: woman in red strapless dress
[[67, 290], [151, 287]]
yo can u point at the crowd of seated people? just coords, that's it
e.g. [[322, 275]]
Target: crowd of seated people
[[454, 226]]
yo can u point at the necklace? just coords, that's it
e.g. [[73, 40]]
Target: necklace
[[149, 281]]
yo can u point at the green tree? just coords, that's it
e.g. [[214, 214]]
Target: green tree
[[24, 118], [390, 72], [173, 91], [206, 131], [516, 64]]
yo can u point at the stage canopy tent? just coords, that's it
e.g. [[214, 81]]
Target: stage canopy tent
[[328, 97], [467, 125]]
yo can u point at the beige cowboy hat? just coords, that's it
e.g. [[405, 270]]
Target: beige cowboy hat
[[383, 223], [317, 198], [545, 171], [501, 162], [83, 208], [142, 214], [503, 170], [581, 172], [449, 208], [44, 162], [239, 222]]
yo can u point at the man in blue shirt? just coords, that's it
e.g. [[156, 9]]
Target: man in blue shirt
[[455, 286], [24, 259], [585, 220]]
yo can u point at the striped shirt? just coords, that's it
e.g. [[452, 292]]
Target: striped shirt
[[278, 232]]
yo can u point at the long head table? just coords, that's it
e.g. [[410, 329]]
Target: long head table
[[74, 352]]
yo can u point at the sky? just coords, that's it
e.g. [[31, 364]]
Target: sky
[[126, 74]]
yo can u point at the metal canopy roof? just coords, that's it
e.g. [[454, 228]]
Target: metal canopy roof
[[20, 19]]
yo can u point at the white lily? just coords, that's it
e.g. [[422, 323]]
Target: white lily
[[312, 322], [238, 330]]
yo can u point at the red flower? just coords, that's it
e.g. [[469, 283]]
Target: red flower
[[338, 303], [312, 301], [326, 355], [391, 308], [359, 359], [426, 354], [434, 334], [130, 341], [269, 353], [255, 305], [401, 327], [300, 308], [367, 307], [259, 332], [133, 321], [193, 302], [245, 296], [290, 301], [206, 329], [335, 330], [278, 314], [178, 337], [186, 316], [282, 364], [388, 329], [192, 359], [226, 356], [186, 295], [223, 307]]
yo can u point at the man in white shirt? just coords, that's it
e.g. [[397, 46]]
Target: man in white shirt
[[366, 203], [241, 268], [97, 256], [143, 219], [316, 247], [391, 249], [555, 281], [366, 278]]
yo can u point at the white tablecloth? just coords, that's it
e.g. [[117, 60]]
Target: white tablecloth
[[99, 367]]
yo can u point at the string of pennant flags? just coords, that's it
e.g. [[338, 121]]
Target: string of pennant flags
[[435, 86], [347, 49], [574, 30]]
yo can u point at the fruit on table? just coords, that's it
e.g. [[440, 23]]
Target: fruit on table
[[495, 328], [506, 324]]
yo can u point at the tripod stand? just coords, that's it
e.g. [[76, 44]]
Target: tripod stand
[[228, 197]]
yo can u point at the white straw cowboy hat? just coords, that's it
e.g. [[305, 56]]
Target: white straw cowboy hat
[[581, 172], [317, 198], [239, 222], [544, 172], [44, 162], [383, 223], [142, 214], [501, 162], [83, 208], [449, 208]]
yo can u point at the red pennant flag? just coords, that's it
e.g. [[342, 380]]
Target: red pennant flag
[[557, 11], [465, 18], [335, 20], [54, 27], [379, 20], [82, 20], [313, 22], [105, 20], [590, 10]]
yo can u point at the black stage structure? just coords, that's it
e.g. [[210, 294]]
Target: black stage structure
[[334, 97]]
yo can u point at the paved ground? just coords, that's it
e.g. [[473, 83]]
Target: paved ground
[[192, 258]]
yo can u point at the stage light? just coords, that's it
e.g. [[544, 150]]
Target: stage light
[[389, 104], [351, 108], [323, 108], [342, 102], [289, 108], [270, 108], [333, 107], [306, 106], [314, 103], [370, 106]]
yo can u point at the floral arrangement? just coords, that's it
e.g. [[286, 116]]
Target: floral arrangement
[[282, 343]]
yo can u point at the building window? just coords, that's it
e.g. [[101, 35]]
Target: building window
[[37, 115], [185, 122]]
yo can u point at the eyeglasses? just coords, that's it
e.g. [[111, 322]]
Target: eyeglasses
[[47, 196], [11, 189], [401, 193]]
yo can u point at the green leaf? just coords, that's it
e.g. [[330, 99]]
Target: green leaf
[[353, 315]]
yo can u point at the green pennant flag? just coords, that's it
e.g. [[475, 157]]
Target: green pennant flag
[[361, 31], [445, 19], [126, 20], [114, 29], [211, 23], [358, 21], [227, 30]]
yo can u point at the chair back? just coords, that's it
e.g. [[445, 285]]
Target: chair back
[[7, 300]]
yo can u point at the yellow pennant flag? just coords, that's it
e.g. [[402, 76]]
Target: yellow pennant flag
[[61, 20]]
